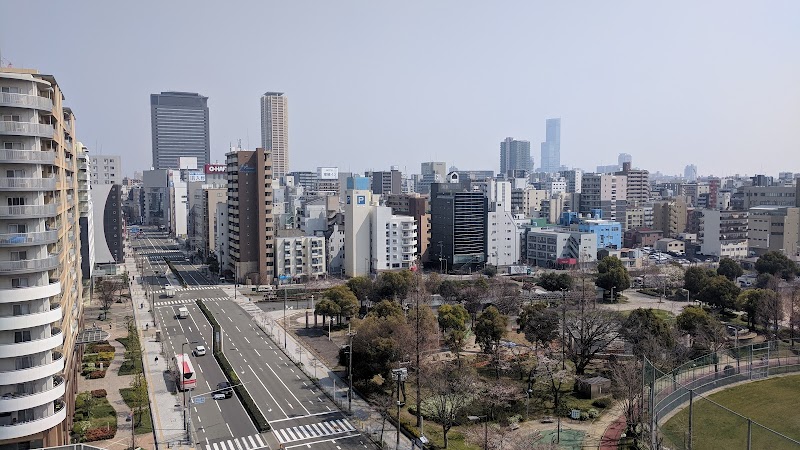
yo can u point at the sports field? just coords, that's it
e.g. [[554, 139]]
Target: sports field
[[772, 403]]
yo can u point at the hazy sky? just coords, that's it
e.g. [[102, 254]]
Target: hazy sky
[[374, 84]]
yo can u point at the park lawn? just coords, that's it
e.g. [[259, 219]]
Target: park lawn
[[146, 424], [132, 364], [768, 402]]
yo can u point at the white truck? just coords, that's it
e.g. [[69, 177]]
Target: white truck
[[169, 290], [183, 312]]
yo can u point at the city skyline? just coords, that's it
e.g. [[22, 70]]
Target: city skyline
[[678, 89]]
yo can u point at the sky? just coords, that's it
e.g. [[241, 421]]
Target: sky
[[376, 84]]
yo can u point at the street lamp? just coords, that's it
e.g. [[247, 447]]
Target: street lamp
[[351, 334], [182, 378], [485, 428]]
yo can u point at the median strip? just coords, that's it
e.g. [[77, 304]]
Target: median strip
[[249, 405]]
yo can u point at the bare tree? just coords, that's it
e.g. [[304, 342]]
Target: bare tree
[[771, 313], [451, 392], [497, 395], [793, 306], [555, 378], [590, 331], [107, 289], [627, 389]]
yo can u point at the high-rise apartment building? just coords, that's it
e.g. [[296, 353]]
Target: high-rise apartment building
[[604, 192], [179, 122], [85, 207], [670, 217], [773, 229], [387, 182], [515, 155], [106, 169], [251, 227], [41, 308], [573, 178], [723, 233], [638, 184], [275, 131], [551, 147]]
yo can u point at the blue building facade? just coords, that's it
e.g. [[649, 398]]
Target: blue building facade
[[609, 233]]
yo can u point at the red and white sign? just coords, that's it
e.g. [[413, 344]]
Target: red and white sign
[[215, 168]]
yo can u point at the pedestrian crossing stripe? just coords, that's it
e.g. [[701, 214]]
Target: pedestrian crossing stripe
[[188, 301], [253, 442], [314, 430]]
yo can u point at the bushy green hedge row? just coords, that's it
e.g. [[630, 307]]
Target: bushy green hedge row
[[247, 401]]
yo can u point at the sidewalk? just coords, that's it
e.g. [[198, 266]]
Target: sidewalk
[[167, 417], [363, 415]]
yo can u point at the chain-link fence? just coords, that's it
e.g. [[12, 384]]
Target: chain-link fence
[[681, 416]]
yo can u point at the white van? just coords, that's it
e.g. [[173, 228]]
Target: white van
[[183, 312], [264, 288]]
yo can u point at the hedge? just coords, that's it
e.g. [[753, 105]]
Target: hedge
[[175, 272], [241, 392]]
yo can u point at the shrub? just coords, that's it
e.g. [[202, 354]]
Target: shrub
[[99, 393], [593, 413], [602, 403], [97, 374], [584, 415], [105, 356], [99, 434]]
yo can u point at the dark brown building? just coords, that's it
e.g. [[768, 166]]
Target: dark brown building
[[251, 225]]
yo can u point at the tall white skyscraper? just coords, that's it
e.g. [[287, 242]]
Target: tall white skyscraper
[[275, 131], [551, 147]]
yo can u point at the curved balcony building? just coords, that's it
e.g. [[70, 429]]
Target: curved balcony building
[[40, 285]]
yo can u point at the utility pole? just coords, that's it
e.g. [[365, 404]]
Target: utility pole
[[285, 325], [350, 334]]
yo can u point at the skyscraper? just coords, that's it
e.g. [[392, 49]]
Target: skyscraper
[[551, 147], [275, 131], [179, 122], [515, 155], [690, 173], [624, 158]]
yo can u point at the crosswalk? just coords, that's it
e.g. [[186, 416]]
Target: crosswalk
[[189, 288], [188, 301], [253, 442], [314, 430]]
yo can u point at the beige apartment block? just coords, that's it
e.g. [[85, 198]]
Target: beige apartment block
[[773, 229], [40, 261], [670, 217]]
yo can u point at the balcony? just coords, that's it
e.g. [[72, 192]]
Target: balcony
[[27, 129], [31, 347], [27, 184], [27, 211], [28, 265], [27, 157], [36, 372], [24, 294], [35, 238], [21, 429], [16, 402], [25, 101], [30, 320]]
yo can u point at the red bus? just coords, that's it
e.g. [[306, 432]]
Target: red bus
[[182, 370]]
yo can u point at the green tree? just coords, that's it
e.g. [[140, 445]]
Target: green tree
[[362, 287], [344, 299], [730, 269], [490, 271], [720, 292], [386, 308], [552, 281], [394, 285], [448, 289], [778, 264], [327, 308], [611, 273], [648, 333], [695, 278], [490, 327], [452, 317], [379, 343], [692, 320], [539, 323]]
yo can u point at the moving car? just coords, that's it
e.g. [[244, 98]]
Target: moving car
[[199, 351], [225, 390]]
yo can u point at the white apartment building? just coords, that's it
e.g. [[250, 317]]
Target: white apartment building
[[724, 233], [547, 246], [394, 240], [502, 235], [106, 169], [41, 308], [299, 258]]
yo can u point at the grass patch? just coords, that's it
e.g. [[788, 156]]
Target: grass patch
[[144, 424], [766, 402]]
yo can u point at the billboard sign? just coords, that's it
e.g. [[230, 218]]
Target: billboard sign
[[328, 173], [214, 168]]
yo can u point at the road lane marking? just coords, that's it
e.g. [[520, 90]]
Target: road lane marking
[[252, 441], [259, 354], [268, 392]]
